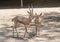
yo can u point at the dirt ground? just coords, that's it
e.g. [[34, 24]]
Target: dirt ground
[[49, 29]]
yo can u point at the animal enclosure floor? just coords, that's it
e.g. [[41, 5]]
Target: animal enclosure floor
[[49, 29]]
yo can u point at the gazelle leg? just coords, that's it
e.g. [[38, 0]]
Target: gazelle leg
[[36, 30], [25, 31], [16, 31], [13, 32], [13, 29], [15, 26]]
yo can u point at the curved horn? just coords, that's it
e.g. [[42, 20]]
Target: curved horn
[[29, 8], [32, 8]]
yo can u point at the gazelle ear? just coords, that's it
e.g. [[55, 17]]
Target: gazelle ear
[[35, 14], [40, 14]]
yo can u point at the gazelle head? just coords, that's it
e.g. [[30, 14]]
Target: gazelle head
[[37, 16], [30, 12]]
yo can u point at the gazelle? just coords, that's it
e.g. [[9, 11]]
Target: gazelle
[[38, 21], [23, 20]]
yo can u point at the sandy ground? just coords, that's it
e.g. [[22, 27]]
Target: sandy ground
[[50, 28]]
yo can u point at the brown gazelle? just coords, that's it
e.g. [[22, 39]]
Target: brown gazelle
[[23, 20], [38, 21]]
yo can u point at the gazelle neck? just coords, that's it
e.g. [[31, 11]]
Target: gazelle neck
[[30, 19]]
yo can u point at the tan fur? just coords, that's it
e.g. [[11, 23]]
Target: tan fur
[[38, 21], [23, 20]]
